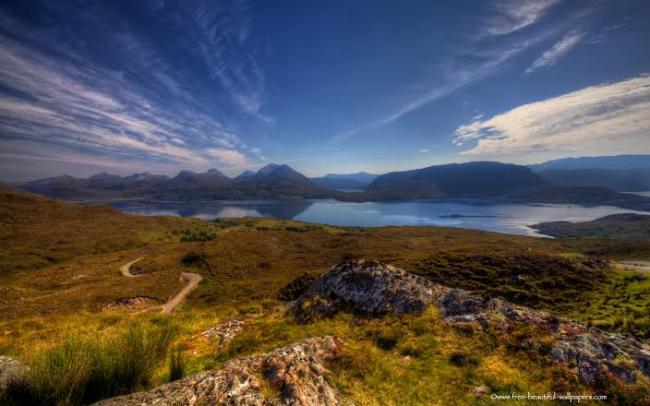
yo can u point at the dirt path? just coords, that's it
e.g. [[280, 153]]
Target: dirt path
[[193, 280], [126, 268], [641, 266]]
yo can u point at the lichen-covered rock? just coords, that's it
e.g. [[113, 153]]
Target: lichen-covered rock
[[295, 372], [10, 371], [375, 288], [367, 286], [223, 332]]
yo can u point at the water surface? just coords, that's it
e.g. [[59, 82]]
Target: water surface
[[507, 218]]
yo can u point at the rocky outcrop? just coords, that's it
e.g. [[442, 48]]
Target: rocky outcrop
[[367, 286], [10, 371], [223, 332], [295, 375], [375, 288], [130, 303]]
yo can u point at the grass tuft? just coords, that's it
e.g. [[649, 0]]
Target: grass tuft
[[81, 370]]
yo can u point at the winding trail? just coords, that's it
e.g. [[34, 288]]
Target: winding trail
[[641, 266], [126, 268], [191, 278]]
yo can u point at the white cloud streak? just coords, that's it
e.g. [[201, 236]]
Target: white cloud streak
[[228, 156], [605, 119], [557, 51], [82, 107], [220, 33], [514, 15], [508, 16]]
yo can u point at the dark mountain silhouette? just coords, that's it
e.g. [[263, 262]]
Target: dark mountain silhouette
[[271, 182], [210, 175], [595, 162], [335, 181], [621, 180], [623, 173], [472, 179], [476, 180], [246, 174]]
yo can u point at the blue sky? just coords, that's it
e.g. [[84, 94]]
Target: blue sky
[[327, 86]]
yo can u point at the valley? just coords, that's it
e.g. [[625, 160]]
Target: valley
[[242, 264]]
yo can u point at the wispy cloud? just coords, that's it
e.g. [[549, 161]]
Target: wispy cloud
[[549, 58], [219, 34], [228, 156], [510, 16], [605, 119], [476, 60], [57, 98]]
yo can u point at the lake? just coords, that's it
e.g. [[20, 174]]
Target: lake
[[506, 218]]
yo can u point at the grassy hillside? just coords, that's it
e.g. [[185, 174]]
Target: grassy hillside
[[37, 231], [67, 303], [615, 226]]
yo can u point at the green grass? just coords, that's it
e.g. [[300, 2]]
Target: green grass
[[83, 369], [622, 306]]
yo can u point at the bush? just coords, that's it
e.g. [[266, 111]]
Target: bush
[[297, 287], [81, 370], [197, 235], [462, 359]]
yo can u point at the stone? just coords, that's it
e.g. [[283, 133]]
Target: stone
[[11, 370], [367, 286], [224, 332], [296, 372]]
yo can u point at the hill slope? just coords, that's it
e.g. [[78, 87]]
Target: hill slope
[[615, 226], [595, 162], [620, 180], [36, 231], [473, 179]]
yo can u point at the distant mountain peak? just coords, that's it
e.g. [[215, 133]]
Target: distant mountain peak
[[215, 172], [266, 170], [246, 174]]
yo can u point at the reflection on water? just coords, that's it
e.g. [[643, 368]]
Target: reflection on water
[[219, 209], [508, 218]]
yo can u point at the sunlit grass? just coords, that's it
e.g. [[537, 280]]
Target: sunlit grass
[[84, 368]]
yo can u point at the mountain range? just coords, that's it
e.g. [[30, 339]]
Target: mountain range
[[622, 173], [482, 180], [345, 182]]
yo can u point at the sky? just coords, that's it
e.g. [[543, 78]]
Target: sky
[[323, 86]]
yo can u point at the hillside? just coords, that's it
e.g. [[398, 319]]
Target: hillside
[[614, 226], [351, 181], [81, 307], [595, 162], [473, 179], [620, 180], [37, 232]]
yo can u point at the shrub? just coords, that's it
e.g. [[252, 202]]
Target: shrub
[[462, 359], [297, 287]]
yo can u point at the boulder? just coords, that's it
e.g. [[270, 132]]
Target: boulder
[[10, 371], [296, 374], [367, 286]]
